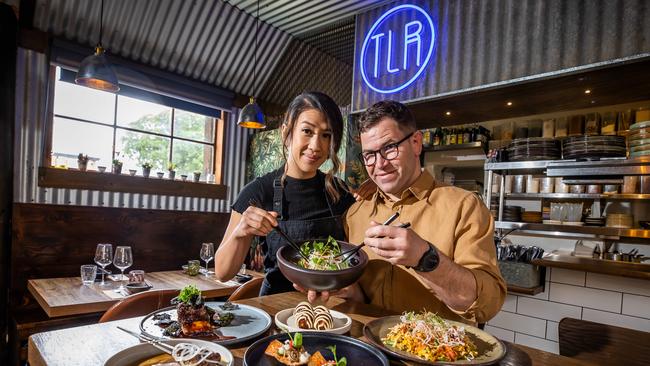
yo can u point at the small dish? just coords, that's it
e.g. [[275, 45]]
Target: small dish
[[140, 352], [134, 288], [285, 321]]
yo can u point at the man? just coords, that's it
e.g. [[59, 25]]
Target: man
[[446, 261]]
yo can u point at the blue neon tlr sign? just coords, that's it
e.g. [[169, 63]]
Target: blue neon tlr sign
[[397, 48]]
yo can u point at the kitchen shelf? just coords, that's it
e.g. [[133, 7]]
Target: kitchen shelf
[[469, 145], [616, 268], [573, 168], [574, 231], [576, 196], [525, 290], [75, 179]]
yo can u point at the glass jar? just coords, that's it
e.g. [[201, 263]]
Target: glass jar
[[576, 125], [592, 124], [608, 124], [193, 267], [548, 128], [561, 127]]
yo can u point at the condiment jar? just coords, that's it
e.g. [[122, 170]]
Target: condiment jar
[[630, 184], [577, 188], [548, 129], [532, 184], [519, 185], [546, 185], [560, 187], [594, 188]]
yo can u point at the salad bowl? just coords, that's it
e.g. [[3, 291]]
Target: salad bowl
[[321, 280]]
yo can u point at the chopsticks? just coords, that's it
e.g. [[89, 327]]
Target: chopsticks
[[295, 246], [352, 251], [164, 346]]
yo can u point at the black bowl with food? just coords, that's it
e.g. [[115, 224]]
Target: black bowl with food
[[322, 272]]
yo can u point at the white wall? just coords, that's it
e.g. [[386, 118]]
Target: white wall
[[533, 320]]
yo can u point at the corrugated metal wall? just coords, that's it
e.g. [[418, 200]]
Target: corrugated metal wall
[[31, 118], [486, 42]]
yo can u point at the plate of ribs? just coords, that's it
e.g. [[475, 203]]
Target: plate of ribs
[[221, 322]]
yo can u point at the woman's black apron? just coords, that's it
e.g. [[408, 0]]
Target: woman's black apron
[[299, 231]]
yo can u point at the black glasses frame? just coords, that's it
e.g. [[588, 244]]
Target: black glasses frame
[[383, 151]]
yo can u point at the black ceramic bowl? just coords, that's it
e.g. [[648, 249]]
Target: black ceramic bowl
[[311, 279], [356, 352]]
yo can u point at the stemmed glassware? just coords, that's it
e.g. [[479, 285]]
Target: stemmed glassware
[[123, 260], [103, 257], [207, 254]]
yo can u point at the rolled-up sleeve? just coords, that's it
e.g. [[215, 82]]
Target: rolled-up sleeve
[[475, 250]]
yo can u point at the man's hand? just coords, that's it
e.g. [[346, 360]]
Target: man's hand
[[351, 293], [397, 245]]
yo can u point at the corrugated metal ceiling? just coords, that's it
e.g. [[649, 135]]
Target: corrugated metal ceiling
[[213, 41]]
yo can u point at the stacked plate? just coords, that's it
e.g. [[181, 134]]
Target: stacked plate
[[531, 217], [590, 147], [534, 148], [512, 213], [595, 221], [639, 139], [620, 220]]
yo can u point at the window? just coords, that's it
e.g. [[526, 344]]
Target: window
[[107, 126]]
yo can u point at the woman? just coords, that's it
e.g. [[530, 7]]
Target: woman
[[302, 200]]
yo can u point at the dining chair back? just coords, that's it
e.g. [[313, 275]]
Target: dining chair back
[[139, 304], [248, 290], [603, 344]]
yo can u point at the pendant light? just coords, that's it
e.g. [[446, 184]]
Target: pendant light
[[251, 116], [95, 71]]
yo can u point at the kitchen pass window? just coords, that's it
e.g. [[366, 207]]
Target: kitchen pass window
[[136, 131]]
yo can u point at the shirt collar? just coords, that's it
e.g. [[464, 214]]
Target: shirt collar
[[421, 188]]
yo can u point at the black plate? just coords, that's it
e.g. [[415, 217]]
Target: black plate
[[356, 352]]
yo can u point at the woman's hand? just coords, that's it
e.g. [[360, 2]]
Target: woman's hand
[[256, 221]]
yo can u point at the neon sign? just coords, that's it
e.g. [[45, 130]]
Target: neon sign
[[397, 49]]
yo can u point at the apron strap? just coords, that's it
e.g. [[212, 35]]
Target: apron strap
[[277, 197], [327, 196]]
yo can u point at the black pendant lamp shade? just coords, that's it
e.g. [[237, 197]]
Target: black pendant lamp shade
[[95, 71], [251, 116]]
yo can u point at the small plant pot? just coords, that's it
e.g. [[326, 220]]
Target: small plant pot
[[146, 172], [101, 169], [183, 177], [117, 168], [132, 172], [82, 166], [197, 176], [160, 175], [172, 174]]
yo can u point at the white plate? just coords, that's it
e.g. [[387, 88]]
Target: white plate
[[143, 351], [284, 320]]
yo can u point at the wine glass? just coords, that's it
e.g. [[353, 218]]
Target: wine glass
[[103, 257], [207, 253], [123, 260]]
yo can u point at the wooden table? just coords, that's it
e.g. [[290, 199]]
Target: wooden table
[[67, 296], [94, 344]]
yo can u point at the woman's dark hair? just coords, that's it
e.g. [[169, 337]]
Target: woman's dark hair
[[326, 105], [387, 109]]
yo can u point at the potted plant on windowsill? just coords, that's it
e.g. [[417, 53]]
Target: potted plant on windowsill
[[171, 167], [117, 166], [82, 162], [146, 170], [197, 176]]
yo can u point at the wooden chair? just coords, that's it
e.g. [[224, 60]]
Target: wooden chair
[[603, 344], [248, 290], [139, 304]]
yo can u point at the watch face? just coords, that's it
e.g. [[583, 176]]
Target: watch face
[[429, 260]]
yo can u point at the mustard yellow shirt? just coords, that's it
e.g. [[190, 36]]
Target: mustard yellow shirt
[[457, 223]]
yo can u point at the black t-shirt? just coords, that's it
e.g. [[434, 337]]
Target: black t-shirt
[[303, 199]]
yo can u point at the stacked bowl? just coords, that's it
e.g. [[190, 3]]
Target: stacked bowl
[[639, 139]]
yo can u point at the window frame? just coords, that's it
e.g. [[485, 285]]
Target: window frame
[[50, 176]]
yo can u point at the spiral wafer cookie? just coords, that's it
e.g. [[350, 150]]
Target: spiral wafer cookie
[[304, 315]]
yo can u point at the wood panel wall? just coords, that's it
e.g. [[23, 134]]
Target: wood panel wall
[[54, 240]]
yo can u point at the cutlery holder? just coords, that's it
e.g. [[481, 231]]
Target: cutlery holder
[[521, 274]]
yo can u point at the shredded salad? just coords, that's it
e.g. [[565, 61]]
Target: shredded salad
[[321, 255], [430, 338]]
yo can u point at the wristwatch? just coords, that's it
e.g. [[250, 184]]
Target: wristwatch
[[429, 260]]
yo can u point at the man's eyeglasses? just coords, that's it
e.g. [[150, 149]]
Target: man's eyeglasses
[[388, 152]]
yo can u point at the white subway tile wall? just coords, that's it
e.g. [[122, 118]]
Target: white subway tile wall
[[533, 320]]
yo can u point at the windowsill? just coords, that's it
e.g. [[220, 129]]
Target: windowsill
[[91, 180]]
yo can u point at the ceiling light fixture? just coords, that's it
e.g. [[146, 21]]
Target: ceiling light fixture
[[448, 113], [95, 71], [252, 116], [587, 91], [509, 104]]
